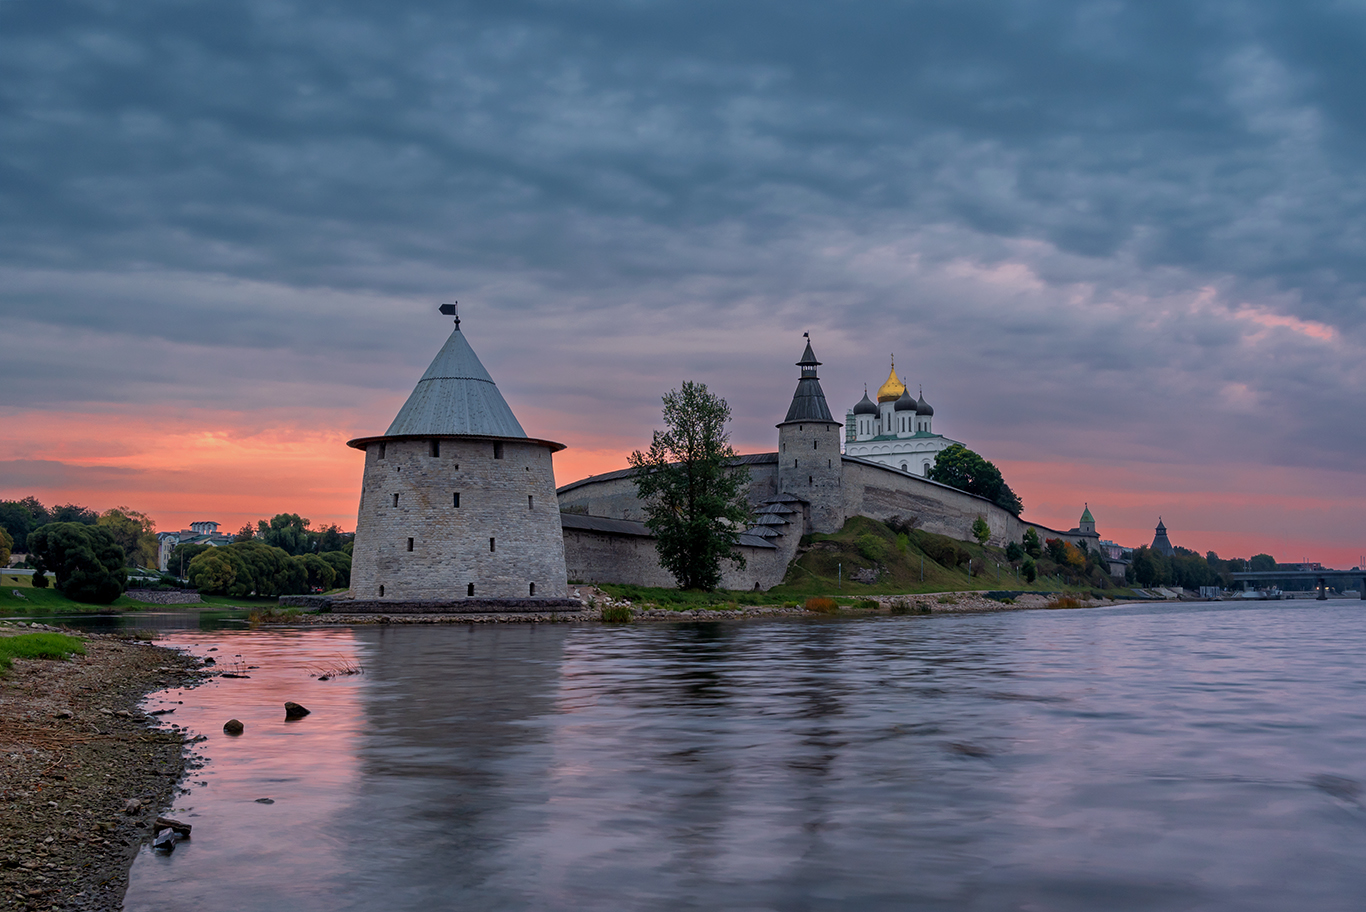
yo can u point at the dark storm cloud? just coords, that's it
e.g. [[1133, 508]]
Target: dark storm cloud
[[1110, 204]]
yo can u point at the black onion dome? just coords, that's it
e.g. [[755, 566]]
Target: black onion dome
[[923, 408], [865, 406], [905, 403]]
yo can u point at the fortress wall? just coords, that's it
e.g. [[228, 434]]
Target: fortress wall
[[614, 495], [883, 493], [868, 489], [451, 544], [598, 557]]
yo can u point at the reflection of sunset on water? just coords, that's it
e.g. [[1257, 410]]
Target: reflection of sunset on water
[[1045, 757]]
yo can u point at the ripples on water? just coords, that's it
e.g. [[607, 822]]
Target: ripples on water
[[1167, 757]]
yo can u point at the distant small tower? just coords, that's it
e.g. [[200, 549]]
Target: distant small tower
[[1160, 541], [457, 502], [809, 464], [1087, 526]]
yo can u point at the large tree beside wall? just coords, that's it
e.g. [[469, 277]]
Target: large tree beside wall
[[961, 468], [695, 499]]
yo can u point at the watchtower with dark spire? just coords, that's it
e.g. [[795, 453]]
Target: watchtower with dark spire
[[809, 466], [1160, 541]]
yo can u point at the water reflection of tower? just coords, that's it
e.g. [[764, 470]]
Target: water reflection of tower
[[451, 760]]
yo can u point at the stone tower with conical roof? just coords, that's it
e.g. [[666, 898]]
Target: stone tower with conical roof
[[809, 466], [457, 503]]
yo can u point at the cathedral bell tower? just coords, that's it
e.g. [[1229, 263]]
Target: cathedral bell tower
[[809, 466]]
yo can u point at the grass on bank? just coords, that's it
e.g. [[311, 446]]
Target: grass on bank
[[38, 646], [906, 563], [31, 600]]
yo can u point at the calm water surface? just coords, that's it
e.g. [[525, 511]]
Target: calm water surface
[[1163, 758]]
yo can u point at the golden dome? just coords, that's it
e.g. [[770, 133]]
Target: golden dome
[[892, 389]]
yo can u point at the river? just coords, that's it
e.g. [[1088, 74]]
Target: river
[[1163, 757]]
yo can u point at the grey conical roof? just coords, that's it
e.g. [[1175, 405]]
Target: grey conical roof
[[456, 396], [808, 402]]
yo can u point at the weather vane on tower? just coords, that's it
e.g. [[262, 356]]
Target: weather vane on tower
[[450, 311]]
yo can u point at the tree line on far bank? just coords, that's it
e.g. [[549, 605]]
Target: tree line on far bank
[[89, 554]]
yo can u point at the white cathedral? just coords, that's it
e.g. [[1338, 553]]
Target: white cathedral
[[896, 432]]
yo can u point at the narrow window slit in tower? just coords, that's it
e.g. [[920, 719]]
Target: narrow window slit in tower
[[498, 450], [436, 447], [533, 588], [410, 544], [381, 592], [531, 502], [808, 479], [457, 499], [395, 500], [469, 590], [490, 544], [381, 451], [815, 444]]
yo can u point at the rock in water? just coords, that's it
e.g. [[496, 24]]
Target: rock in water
[[170, 823], [233, 727], [295, 711]]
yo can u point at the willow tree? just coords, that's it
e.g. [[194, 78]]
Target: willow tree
[[694, 494]]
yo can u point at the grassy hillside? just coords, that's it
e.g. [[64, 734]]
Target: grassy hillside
[[904, 562], [46, 601]]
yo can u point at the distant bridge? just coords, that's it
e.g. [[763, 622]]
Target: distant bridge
[[1320, 578]]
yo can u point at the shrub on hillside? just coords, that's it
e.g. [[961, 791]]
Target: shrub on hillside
[[873, 548], [941, 549]]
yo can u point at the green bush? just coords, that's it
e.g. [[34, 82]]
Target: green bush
[[941, 549], [1030, 570], [873, 548], [38, 646], [867, 605], [617, 614]]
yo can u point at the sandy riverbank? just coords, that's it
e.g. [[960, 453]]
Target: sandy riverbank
[[74, 752]]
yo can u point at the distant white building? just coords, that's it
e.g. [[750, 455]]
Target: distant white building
[[199, 533], [896, 432]]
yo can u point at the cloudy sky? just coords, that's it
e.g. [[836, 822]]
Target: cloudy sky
[[1121, 245]]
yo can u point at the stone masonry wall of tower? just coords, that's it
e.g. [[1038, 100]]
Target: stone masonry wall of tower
[[509, 500], [809, 467]]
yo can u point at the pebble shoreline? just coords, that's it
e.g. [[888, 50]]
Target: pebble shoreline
[[83, 772]]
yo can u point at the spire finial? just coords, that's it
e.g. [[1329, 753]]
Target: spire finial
[[450, 311]]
